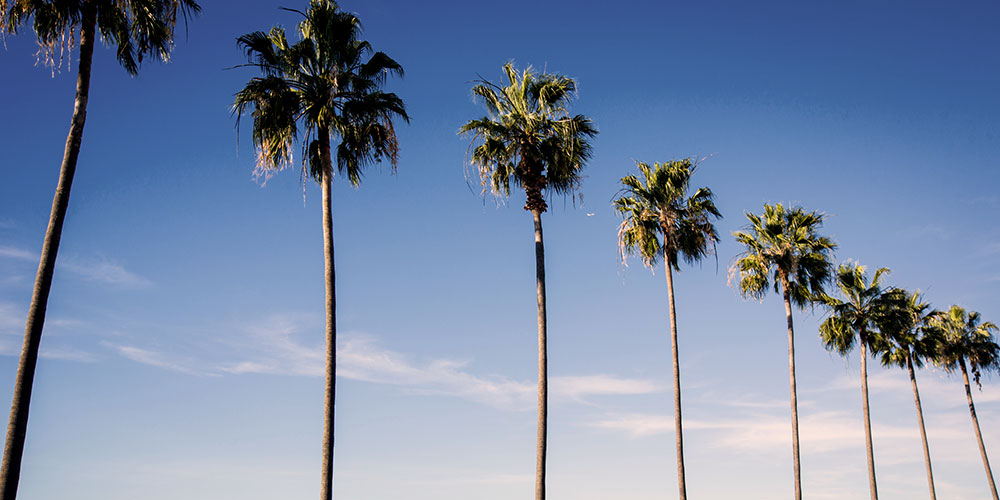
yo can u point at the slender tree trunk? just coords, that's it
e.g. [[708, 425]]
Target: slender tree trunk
[[923, 431], [331, 319], [794, 394], [868, 420], [543, 373], [681, 482], [10, 470], [979, 433]]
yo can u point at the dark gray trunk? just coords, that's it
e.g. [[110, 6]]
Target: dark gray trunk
[[543, 376], [979, 433], [923, 431], [868, 420], [331, 320], [10, 470], [681, 482], [794, 393]]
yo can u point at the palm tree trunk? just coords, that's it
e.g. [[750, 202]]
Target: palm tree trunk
[[681, 483], [868, 420], [543, 374], [794, 396], [979, 433], [10, 470], [331, 319], [923, 431]]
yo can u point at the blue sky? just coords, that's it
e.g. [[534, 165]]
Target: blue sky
[[181, 351]]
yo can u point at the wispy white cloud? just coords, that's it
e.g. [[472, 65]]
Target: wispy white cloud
[[106, 272], [275, 346], [152, 358], [97, 270], [11, 318], [17, 253], [68, 354], [579, 387], [836, 427]]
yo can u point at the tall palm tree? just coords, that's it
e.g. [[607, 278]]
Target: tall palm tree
[[662, 220], [785, 251], [137, 28], [858, 320], [326, 86], [909, 341], [968, 341], [529, 138]]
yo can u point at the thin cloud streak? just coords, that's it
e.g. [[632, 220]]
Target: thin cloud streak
[[102, 271], [273, 347]]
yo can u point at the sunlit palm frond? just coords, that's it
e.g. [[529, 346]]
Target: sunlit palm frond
[[661, 218], [135, 28], [321, 87], [860, 315], [967, 339], [527, 137], [783, 248]]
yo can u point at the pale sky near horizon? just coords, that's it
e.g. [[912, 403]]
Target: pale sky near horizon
[[182, 351]]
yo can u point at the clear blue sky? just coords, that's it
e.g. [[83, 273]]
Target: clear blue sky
[[181, 351]]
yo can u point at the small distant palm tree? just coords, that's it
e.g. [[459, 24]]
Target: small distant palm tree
[[329, 85], [785, 251], [910, 340], [661, 220], [529, 138], [857, 321], [137, 28], [968, 341]]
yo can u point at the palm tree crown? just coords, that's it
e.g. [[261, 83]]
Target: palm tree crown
[[908, 331], [868, 306], [136, 28], [528, 136], [324, 85], [783, 250], [661, 219], [966, 338]]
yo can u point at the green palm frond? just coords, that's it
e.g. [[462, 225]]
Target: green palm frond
[[660, 218], [965, 338], [136, 28], [328, 84], [908, 332], [527, 137], [783, 248], [866, 308]]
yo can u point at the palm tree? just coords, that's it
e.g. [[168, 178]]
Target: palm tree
[[324, 85], [968, 341], [784, 251], [529, 138], [137, 28], [908, 343], [661, 220], [858, 320]]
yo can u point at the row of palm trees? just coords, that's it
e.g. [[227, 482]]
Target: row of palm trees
[[327, 87], [785, 252]]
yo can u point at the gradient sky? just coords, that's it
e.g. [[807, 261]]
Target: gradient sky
[[181, 355]]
